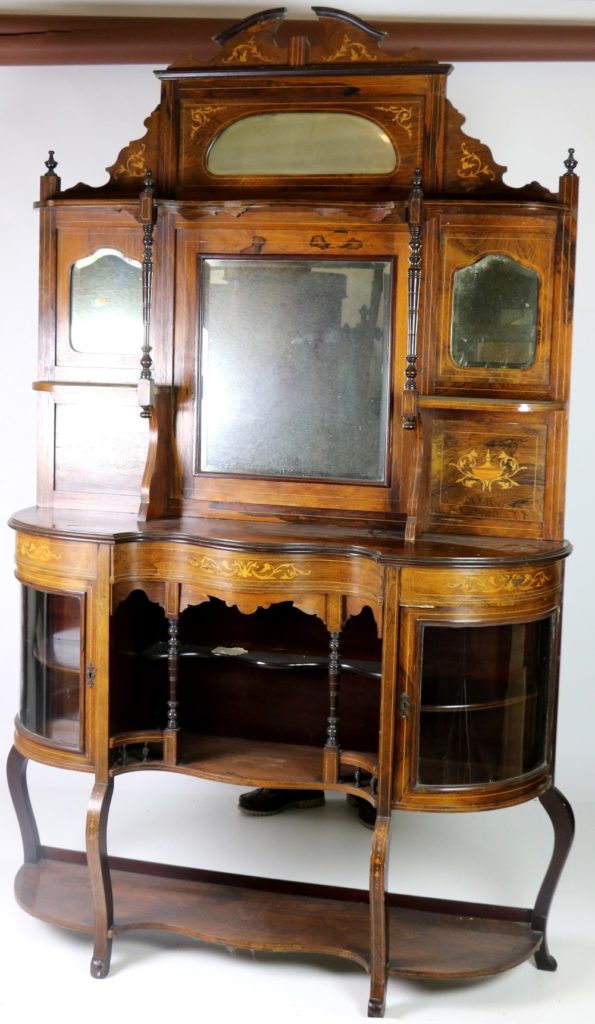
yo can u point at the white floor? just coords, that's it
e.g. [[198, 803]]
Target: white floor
[[494, 857]]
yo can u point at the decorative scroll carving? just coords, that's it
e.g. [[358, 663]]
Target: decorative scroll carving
[[135, 166], [498, 472], [472, 166], [248, 53], [469, 163], [348, 40], [135, 159], [248, 569], [350, 50], [495, 473], [501, 582], [36, 551], [400, 116], [130, 167], [200, 116], [253, 40]]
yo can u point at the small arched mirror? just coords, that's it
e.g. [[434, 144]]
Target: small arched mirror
[[495, 314], [302, 143], [106, 303]]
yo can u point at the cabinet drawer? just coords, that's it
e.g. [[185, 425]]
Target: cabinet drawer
[[223, 571], [37, 555], [427, 587]]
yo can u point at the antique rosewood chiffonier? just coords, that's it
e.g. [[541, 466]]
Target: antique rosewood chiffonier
[[319, 543]]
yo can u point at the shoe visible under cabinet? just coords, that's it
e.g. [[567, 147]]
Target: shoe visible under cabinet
[[341, 567]]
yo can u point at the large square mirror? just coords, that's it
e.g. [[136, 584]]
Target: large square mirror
[[294, 367]]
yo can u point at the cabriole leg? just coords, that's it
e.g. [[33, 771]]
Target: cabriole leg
[[562, 819], [16, 773], [101, 886], [378, 922]]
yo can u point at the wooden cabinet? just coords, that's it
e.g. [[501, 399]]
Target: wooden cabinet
[[318, 543], [478, 686]]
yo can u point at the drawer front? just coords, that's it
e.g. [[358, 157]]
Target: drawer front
[[220, 571], [42, 557], [422, 588]]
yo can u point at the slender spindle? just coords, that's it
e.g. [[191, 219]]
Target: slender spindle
[[413, 282], [173, 663], [334, 678], [147, 218]]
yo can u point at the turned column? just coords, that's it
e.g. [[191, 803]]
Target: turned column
[[172, 730], [332, 748]]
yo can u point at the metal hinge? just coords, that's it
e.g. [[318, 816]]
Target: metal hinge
[[91, 673], [404, 705]]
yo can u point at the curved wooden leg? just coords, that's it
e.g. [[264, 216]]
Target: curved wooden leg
[[378, 922], [16, 773], [562, 819], [99, 874]]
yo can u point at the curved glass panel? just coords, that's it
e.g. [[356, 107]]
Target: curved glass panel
[[304, 143], [495, 314], [51, 666], [294, 368], [106, 303], [485, 702]]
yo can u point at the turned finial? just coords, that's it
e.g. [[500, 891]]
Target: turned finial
[[570, 163], [51, 164]]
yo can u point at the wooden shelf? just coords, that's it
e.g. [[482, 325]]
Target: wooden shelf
[[274, 660], [251, 762], [428, 938]]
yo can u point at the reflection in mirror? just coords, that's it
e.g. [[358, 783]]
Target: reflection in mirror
[[106, 304], [494, 314], [294, 365], [312, 142]]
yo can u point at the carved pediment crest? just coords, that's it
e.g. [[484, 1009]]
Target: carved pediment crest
[[337, 38]]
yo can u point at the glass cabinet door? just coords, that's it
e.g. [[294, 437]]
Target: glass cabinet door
[[483, 703], [51, 690]]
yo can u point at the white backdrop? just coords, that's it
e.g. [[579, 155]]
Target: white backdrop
[[529, 115]]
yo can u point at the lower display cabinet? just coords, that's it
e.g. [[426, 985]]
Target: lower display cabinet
[[416, 688]]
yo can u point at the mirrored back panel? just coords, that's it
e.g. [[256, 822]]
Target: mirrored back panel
[[294, 355], [289, 361]]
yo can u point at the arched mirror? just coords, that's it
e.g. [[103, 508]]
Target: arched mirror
[[302, 143], [495, 314], [106, 303]]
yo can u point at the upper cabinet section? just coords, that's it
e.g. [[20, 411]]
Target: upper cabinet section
[[320, 294], [317, 134], [281, 115]]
